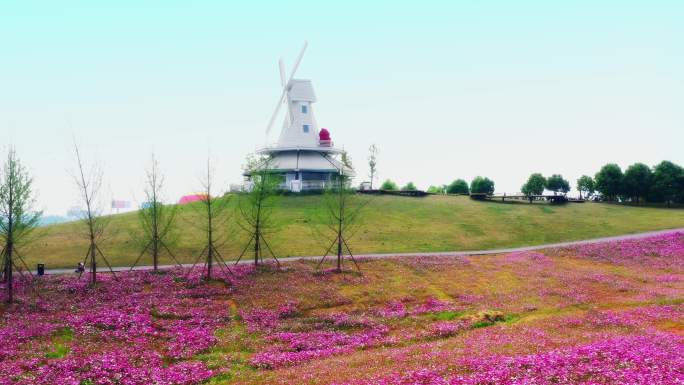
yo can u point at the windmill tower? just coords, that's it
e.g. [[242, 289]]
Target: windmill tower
[[303, 155], [299, 125]]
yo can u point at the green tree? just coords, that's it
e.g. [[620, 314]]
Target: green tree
[[585, 184], [389, 185], [257, 205], [637, 181], [346, 160], [608, 181], [482, 185], [435, 189], [17, 216], [668, 182], [409, 187], [557, 184], [459, 186], [534, 185]]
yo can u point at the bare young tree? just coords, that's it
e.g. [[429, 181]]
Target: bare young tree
[[256, 207], [89, 184], [214, 210], [157, 220], [373, 163], [343, 208], [17, 217]]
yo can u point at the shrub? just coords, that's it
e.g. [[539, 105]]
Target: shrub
[[482, 185], [459, 186], [409, 187], [637, 181], [585, 184], [609, 181], [556, 183], [436, 189], [668, 182], [534, 185], [389, 185]]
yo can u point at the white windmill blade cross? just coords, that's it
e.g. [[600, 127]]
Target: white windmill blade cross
[[285, 85], [299, 60]]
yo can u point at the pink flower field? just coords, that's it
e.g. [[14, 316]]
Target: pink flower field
[[605, 313]]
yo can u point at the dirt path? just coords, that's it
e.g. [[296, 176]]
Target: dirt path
[[441, 254]]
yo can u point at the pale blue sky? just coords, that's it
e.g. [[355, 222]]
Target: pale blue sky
[[446, 89]]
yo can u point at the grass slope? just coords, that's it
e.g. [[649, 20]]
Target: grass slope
[[391, 224]]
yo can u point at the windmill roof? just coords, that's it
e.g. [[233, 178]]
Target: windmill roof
[[301, 90], [312, 161]]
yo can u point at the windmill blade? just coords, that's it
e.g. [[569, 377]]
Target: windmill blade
[[281, 66], [281, 100], [299, 60], [277, 109]]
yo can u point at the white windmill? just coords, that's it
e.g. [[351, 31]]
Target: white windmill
[[304, 155]]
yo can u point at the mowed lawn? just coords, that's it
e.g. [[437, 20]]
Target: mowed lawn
[[390, 224]]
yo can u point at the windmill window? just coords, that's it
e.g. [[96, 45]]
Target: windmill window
[[306, 128], [305, 109]]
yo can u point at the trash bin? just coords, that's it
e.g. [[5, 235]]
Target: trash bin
[[41, 269]]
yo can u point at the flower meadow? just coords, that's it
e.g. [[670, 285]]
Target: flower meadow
[[604, 313]]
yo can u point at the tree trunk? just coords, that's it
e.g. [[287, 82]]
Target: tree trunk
[[155, 242], [210, 234], [257, 227], [155, 254], [93, 262], [340, 222], [339, 253], [8, 272], [210, 259], [256, 245]]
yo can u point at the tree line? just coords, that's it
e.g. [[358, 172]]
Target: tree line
[[537, 183], [639, 183], [479, 185], [662, 183]]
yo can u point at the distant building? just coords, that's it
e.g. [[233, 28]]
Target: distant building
[[190, 198], [75, 212]]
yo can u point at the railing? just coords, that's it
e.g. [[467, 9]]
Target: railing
[[315, 184], [308, 185]]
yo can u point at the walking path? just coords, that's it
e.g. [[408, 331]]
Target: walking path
[[426, 254]]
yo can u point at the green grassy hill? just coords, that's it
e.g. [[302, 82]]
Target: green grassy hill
[[391, 224]]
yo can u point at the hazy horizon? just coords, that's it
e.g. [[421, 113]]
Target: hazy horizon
[[446, 90]]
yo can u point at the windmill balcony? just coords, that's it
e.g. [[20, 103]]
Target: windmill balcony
[[305, 185], [308, 185]]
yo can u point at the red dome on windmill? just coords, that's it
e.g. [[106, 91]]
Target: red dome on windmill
[[324, 138], [324, 134]]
